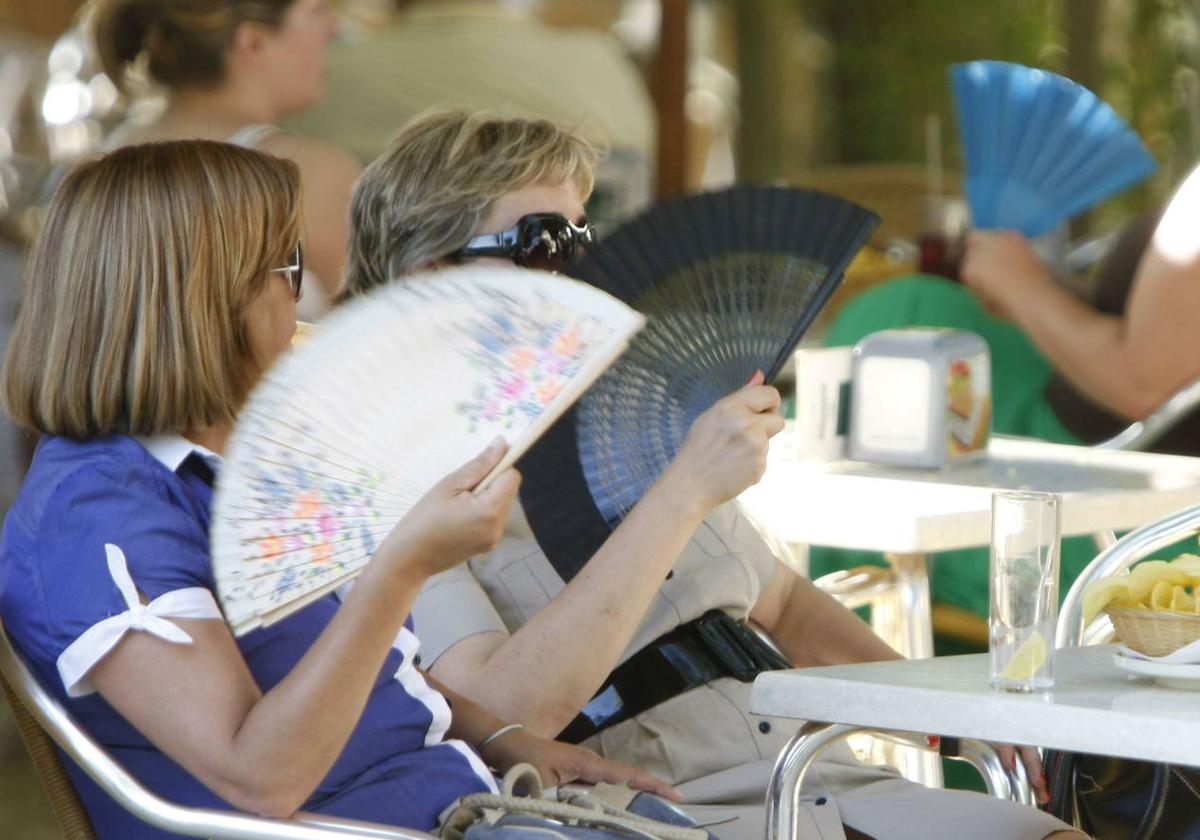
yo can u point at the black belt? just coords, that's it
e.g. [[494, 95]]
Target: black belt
[[693, 654]]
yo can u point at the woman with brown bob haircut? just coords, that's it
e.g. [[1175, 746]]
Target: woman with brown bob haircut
[[163, 285]]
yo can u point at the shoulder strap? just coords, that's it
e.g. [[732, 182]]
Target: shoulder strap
[[249, 136]]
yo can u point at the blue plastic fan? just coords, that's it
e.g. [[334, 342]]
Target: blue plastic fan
[[1039, 148], [729, 281]]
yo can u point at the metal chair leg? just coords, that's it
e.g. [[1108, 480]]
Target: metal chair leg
[[783, 791], [799, 754], [1001, 782]]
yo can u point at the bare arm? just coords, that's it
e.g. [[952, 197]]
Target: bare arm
[[547, 671], [328, 174], [1129, 364], [266, 753], [558, 763], [811, 627], [262, 753]]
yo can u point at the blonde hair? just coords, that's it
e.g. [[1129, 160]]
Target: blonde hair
[[133, 317], [428, 193], [184, 41]]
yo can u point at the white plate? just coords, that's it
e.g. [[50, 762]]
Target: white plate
[[1172, 676]]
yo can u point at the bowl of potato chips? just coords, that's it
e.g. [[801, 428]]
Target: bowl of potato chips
[[1154, 607]]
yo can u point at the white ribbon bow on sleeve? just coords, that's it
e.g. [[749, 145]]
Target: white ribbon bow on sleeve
[[98, 640]]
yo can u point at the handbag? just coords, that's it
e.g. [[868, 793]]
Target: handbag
[[1121, 799], [605, 812]]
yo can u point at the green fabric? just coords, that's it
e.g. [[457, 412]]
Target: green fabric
[[1019, 376]]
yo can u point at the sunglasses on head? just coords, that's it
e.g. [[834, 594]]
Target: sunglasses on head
[[540, 240], [294, 272]]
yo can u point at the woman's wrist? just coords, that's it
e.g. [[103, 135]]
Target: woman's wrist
[[500, 733], [494, 743], [681, 494], [410, 552], [1042, 307]]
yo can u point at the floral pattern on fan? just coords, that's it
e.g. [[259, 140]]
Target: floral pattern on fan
[[311, 519], [526, 364], [342, 437]]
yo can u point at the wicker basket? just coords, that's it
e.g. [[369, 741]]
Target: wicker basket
[[1154, 632]]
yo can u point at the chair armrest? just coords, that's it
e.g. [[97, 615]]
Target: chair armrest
[[114, 780], [1143, 434], [347, 828], [1131, 548]]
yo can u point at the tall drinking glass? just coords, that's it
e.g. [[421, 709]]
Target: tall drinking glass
[[1024, 590]]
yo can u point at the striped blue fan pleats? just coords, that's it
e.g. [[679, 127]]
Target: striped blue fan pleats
[[1039, 148], [729, 282]]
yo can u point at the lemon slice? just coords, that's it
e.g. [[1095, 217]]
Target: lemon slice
[[1028, 660]]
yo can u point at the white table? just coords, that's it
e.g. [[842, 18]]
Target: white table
[[1094, 708], [908, 513]]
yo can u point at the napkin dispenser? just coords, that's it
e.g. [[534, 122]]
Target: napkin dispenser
[[822, 402], [920, 398]]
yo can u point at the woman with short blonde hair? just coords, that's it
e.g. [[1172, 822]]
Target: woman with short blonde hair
[[431, 190], [163, 285], [654, 690]]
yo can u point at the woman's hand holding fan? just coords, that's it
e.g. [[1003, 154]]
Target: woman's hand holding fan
[[360, 426], [458, 518], [731, 281], [1003, 270], [725, 451]]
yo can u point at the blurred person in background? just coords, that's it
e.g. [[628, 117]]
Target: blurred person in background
[[232, 69], [14, 450], [1064, 369], [486, 54], [21, 173]]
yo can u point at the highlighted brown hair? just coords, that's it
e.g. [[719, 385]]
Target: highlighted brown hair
[[133, 315], [428, 193]]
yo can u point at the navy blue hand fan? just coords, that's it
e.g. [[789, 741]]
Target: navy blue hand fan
[[1039, 148], [729, 282]]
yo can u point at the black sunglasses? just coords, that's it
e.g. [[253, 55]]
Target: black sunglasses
[[294, 272], [540, 240]]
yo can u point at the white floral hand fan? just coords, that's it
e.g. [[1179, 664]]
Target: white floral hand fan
[[387, 396]]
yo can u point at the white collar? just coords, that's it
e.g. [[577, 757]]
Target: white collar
[[173, 450]]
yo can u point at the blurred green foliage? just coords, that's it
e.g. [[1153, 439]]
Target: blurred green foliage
[[888, 72], [1151, 64], [890, 60]]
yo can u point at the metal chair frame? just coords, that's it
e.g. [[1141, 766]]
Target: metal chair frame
[[1134, 546], [32, 698], [803, 750]]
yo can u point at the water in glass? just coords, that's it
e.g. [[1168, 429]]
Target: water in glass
[[1024, 596]]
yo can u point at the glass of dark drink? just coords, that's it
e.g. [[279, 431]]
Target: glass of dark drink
[[945, 219]]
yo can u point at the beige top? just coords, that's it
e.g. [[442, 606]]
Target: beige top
[[724, 566], [707, 737]]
